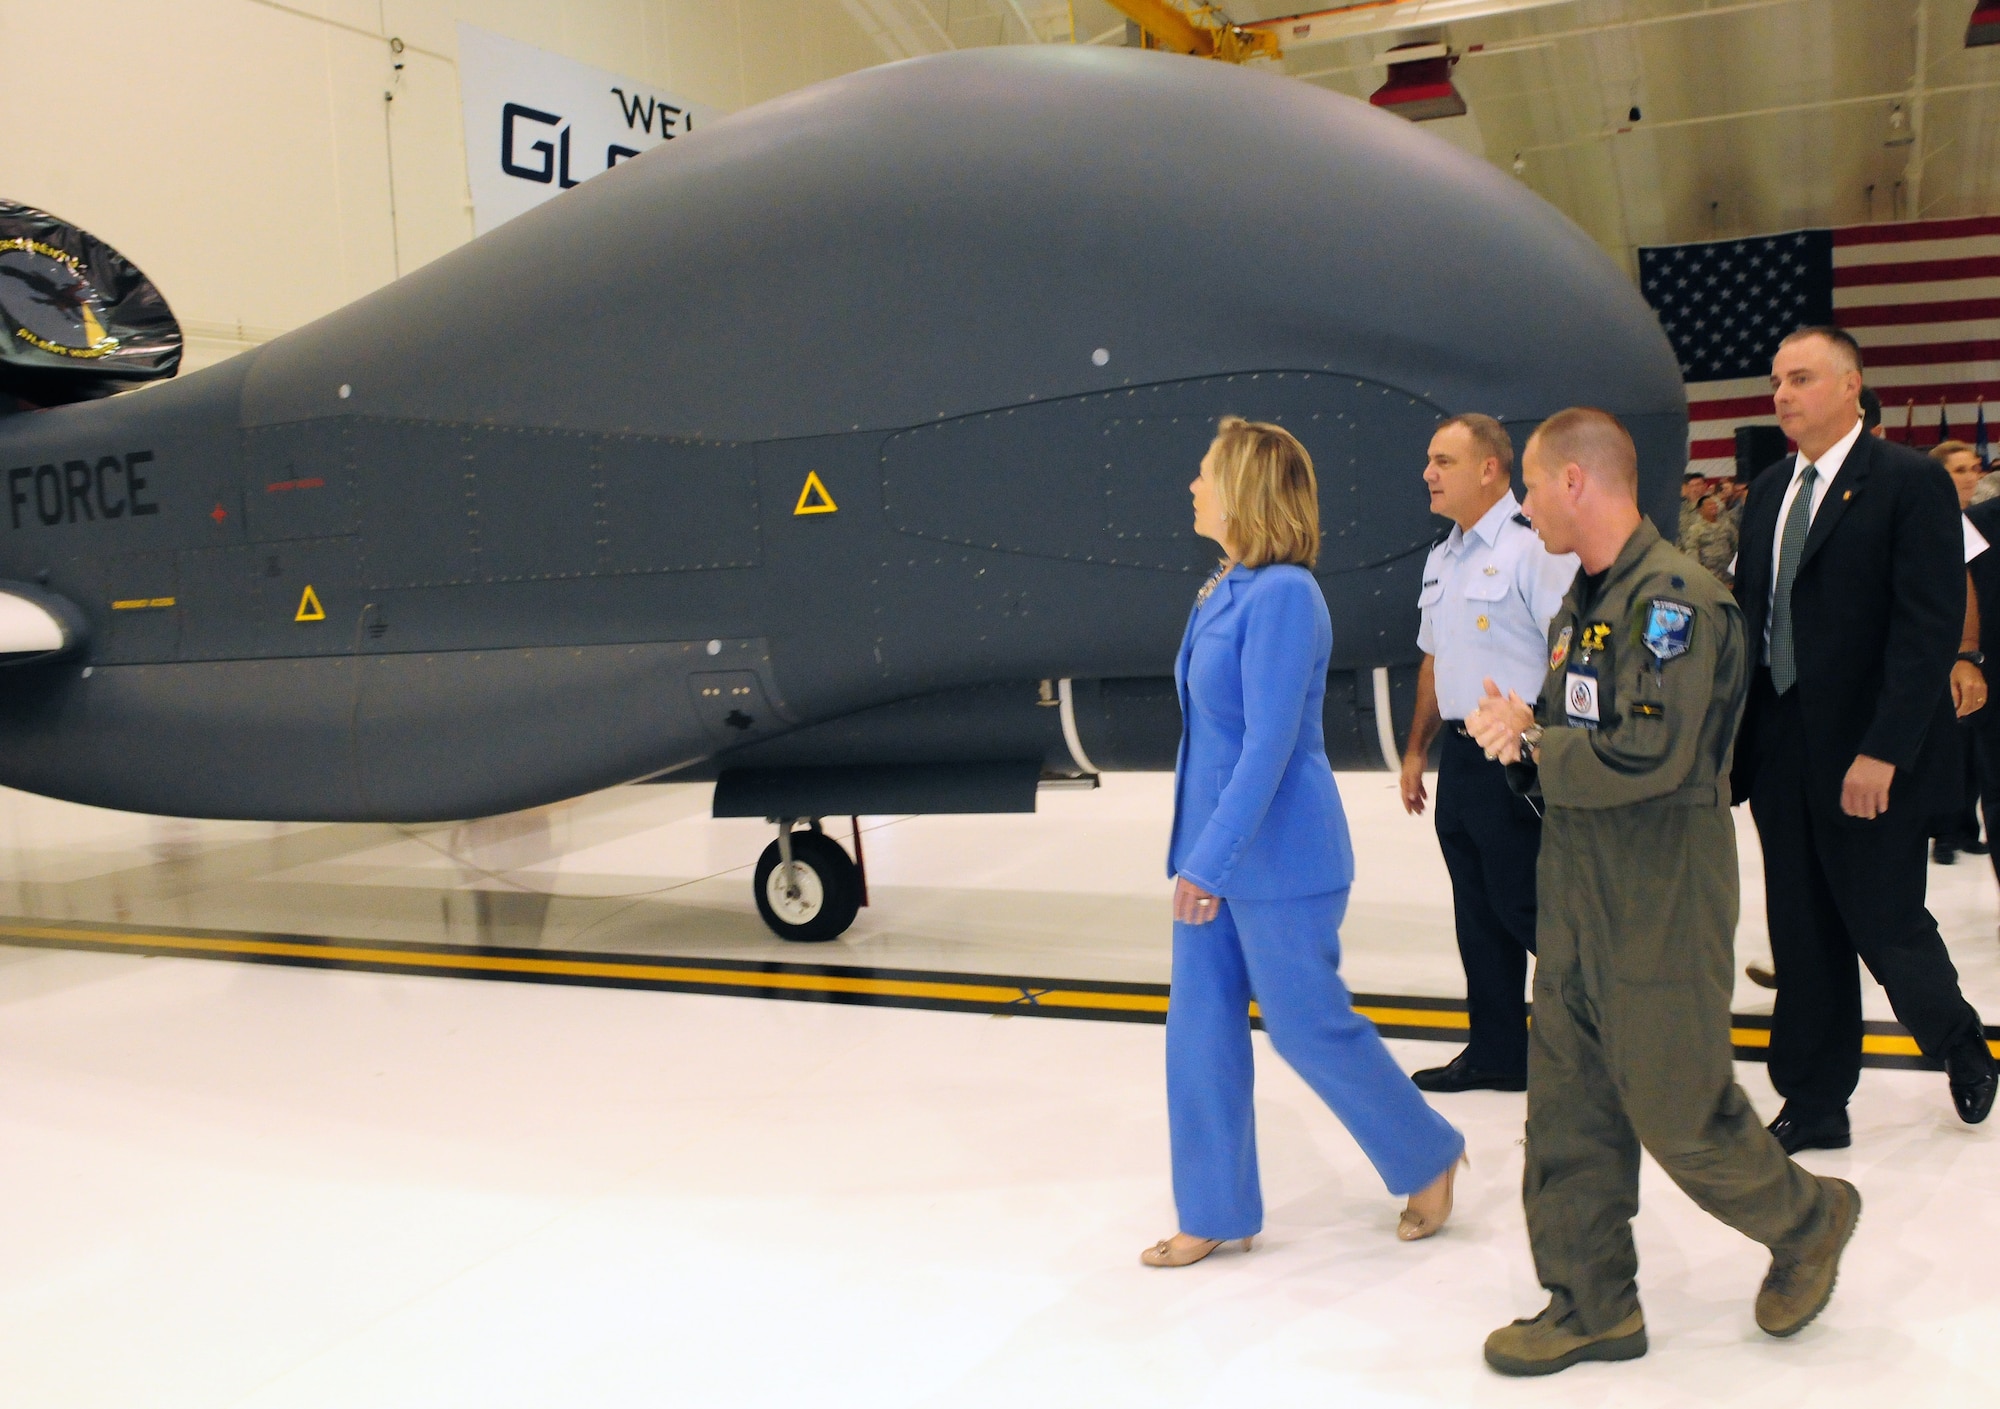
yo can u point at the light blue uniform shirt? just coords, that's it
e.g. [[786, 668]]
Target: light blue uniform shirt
[[1487, 599]]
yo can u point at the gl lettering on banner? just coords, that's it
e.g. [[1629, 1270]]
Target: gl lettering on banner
[[535, 122]]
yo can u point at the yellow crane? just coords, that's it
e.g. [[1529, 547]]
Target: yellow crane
[[1200, 30]]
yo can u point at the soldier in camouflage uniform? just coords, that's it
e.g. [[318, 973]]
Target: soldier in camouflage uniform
[[1694, 488], [1629, 752], [1711, 538]]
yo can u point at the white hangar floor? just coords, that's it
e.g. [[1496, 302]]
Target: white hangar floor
[[257, 1184]]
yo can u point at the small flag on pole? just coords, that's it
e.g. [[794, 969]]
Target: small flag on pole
[[1910, 422], [1979, 440], [1944, 422]]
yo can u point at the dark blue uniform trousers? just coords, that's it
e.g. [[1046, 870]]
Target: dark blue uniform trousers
[[1490, 837], [1285, 953]]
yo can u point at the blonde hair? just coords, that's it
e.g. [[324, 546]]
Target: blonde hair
[[1944, 450], [1265, 486]]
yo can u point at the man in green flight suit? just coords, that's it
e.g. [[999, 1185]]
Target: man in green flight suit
[[1629, 751]]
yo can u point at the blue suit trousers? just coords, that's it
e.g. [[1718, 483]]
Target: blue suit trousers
[[1285, 953]]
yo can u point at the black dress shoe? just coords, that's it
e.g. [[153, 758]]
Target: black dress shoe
[[1459, 1075], [1974, 1078], [1944, 853], [1974, 847], [1811, 1130]]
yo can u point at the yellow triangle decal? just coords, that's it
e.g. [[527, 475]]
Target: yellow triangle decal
[[814, 499], [309, 607]]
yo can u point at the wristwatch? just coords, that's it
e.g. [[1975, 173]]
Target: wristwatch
[[1976, 657], [1531, 738]]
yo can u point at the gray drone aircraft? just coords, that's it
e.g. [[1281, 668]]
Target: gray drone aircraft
[[838, 452]]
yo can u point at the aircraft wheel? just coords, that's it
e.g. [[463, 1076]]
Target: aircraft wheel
[[824, 894]]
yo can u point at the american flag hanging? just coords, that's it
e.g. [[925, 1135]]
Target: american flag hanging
[[1922, 297]]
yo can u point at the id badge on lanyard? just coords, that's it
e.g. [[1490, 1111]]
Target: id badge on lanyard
[[1580, 695], [1580, 699]]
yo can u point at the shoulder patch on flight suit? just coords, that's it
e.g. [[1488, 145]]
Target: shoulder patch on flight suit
[[1669, 627]]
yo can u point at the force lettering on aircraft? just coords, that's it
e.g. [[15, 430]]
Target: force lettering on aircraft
[[79, 491]]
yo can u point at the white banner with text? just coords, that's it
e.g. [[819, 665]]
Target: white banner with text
[[537, 124]]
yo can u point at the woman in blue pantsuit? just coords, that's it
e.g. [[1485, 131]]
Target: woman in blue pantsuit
[[1262, 865]]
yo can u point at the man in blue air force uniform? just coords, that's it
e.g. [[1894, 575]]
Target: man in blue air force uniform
[[1490, 588]]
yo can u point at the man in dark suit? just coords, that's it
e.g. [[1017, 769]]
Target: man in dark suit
[[1851, 572], [1985, 731]]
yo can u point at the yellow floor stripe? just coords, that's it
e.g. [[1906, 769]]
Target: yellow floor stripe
[[1873, 1044], [561, 968], [1415, 1017], [676, 973]]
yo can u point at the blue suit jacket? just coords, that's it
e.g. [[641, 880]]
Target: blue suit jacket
[[1256, 812]]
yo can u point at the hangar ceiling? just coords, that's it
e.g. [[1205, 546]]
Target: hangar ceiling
[[1754, 115]]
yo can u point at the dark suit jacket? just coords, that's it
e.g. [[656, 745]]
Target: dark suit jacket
[[1877, 609], [1985, 571]]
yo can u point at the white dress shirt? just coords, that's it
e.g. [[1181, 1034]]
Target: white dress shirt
[[1824, 469], [1486, 602]]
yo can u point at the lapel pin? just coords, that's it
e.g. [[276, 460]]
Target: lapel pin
[[1845, 495]]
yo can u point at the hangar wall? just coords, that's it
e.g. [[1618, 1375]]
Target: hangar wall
[[243, 154]]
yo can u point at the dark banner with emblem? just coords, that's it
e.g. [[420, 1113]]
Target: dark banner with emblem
[[77, 319]]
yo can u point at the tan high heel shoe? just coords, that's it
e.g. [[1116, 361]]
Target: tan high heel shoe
[[1165, 1254], [1415, 1225]]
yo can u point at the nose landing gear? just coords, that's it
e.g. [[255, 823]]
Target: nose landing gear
[[807, 888]]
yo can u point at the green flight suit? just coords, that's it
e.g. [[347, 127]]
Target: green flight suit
[[1637, 889]]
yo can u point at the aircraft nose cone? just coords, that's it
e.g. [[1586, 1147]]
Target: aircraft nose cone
[[950, 235]]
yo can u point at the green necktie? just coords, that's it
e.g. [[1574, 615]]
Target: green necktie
[[1791, 547]]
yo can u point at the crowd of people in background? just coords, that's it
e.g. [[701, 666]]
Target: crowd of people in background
[[1712, 522]]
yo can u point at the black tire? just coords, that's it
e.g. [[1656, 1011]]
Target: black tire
[[828, 886]]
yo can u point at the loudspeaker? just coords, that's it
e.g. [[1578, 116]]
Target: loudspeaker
[[1757, 448]]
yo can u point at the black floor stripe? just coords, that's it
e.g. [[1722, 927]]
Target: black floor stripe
[[1423, 1018]]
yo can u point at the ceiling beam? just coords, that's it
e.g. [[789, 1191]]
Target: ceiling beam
[[1549, 39], [1818, 105], [1384, 16], [1021, 16]]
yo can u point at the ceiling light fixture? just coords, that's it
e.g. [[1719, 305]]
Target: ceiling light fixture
[[1420, 86]]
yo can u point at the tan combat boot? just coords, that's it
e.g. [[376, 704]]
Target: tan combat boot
[[1545, 1345], [1800, 1282]]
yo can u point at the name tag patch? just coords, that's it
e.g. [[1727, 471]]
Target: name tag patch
[[1669, 627]]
